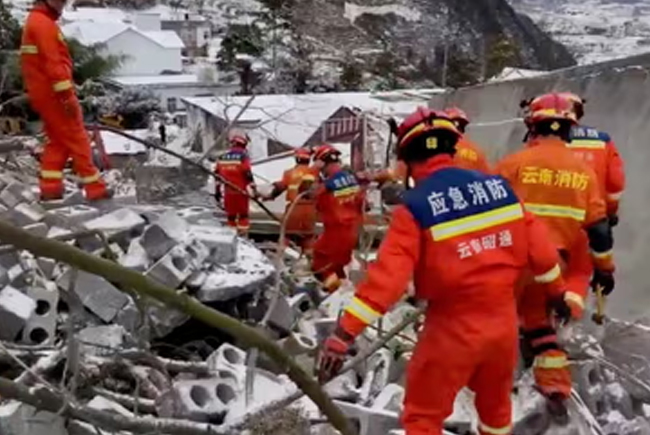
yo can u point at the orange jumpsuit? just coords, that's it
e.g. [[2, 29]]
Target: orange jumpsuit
[[340, 203], [301, 224], [470, 156], [464, 238], [47, 73], [600, 152], [234, 166], [563, 192]]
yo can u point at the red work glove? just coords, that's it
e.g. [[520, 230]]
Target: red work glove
[[332, 356]]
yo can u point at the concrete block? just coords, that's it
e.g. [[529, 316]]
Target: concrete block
[[55, 232], [4, 277], [301, 304], [22, 192], [619, 400], [71, 217], [228, 362], [173, 269], [196, 280], [391, 399], [167, 231], [344, 387], [195, 214], [369, 421], [41, 326], [198, 253], [222, 242], [298, 344], [589, 380], [198, 400], [19, 277], [8, 199], [136, 257], [26, 214], [378, 375], [282, 317], [20, 419], [98, 295], [15, 310], [46, 266], [163, 320], [129, 317], [123, 222], [102, 340], [37, 229]]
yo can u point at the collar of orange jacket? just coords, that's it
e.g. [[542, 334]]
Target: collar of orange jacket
[[47, 10], [545, 141], [422, 170]]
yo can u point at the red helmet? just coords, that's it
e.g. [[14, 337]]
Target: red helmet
[[549, 107], [302, 154], [238, 137], [456, 114], [322, 152], [424, 120], [577, 101]]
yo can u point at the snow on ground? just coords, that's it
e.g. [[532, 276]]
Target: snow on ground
[[118, 144], [354, 11], [595, 30]]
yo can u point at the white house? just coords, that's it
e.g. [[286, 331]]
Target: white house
[[279, 121], [171, 88], [147, 49]]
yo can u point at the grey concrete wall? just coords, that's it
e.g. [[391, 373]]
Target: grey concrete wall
[[618, 101]]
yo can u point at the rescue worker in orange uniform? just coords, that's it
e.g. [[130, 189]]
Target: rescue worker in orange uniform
[[468, 154], [301, 224], [234, 166], [563, 192], [599, 150], [340, 206], [464, 238], [47, 73]]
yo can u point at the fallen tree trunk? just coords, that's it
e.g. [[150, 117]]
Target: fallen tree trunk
[[142, 285]]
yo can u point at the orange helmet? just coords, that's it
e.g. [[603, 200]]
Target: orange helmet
[[421, 124], [550, 107], [577, 101], [302, 154], [322, 152], [456, 114], [241, 140]]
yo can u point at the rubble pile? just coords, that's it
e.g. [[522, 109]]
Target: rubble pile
[[91, 342]]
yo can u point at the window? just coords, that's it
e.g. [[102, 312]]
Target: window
[[171, 105]]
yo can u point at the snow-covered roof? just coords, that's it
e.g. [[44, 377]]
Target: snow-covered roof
[[89, 33], [117, 144], [292, 119], [164, 79], [170, 14], [98, 15], [516, 73]]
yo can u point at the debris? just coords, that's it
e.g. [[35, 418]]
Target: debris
[[16, 309]]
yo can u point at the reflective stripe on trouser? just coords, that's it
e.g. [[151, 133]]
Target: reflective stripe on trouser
[[67, 138], [552, 374], [484, 429], [441, 366]]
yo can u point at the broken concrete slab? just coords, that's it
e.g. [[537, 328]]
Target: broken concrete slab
[[21, 191], [135, 257], [102, 340], [282, 317], [8, 199], [17, 418], [123, 222], [195, 214], [163, 320], [173, 269], [41, 326], [250, 274], [197, 252], [71, 217], [98, 295], [26, 214], [15, 310], [129, 317], [37, 229], [46, 266], [221, 242], [100, 403]]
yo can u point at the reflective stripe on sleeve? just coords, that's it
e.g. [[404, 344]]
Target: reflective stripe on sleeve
[[91, 178], [347, 191], [476, 222], [614, 196], [52, 175], [576, 298], [62, 86], [549, 276], [558, 211], [504, 430], [587, 143], [28, 49], [602, 255], [308, 178], [362, 311], [551, 362]]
